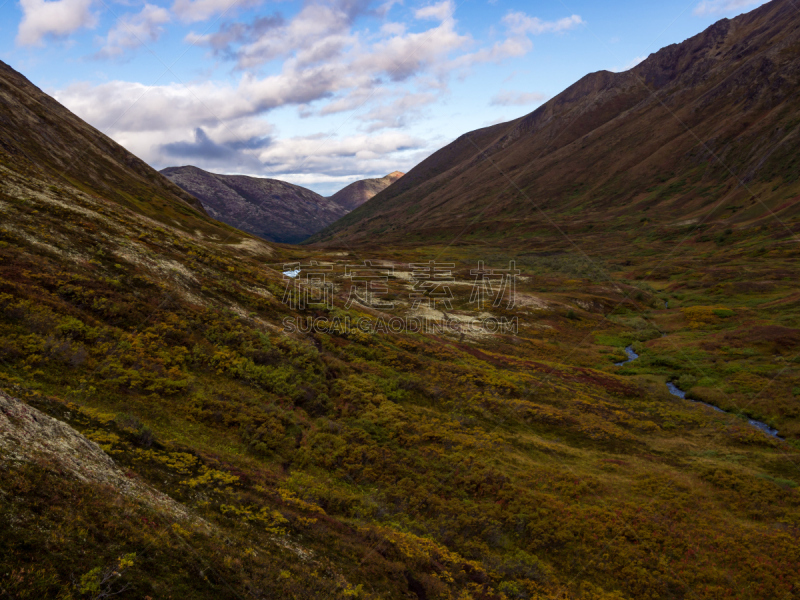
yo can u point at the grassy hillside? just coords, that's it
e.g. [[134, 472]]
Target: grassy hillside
[[396, 465], [42, 140]]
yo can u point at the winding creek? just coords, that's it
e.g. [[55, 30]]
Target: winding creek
[[676, 391]]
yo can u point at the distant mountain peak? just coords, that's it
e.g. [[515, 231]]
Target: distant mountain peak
[[358, 192], [271, 209], [274, 210]]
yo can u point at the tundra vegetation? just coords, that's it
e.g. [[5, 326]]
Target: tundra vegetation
[[355, 465]]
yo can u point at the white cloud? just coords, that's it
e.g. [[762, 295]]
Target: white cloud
[[323, 33], [57, 18], [392, 28], [219, 128], [317, 33], [509, 48], [402, 56], [121, 106], [714, 7], [387, 76], [352, 101], [440, 12], [506, 98], [301, 160], [132, 106], [521, 24], [132, 31], [395, 114], [338, 156], [316, 25], [191, 11]]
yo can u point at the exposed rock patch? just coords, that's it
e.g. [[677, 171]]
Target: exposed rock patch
[[27, 434]]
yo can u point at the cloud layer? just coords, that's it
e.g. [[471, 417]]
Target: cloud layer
[[132, 31], [191, 11], [327, 58], [522, 24], [58, 18]]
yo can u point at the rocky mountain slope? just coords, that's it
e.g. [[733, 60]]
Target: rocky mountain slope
[[273, 210], [41, 138], [358, 192], [708, 129]]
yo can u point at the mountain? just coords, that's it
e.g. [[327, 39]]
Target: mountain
[[714, 119], [358, 192], [42, 139], [271, 209]]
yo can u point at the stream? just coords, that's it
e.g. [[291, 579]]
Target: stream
[[676, 391]]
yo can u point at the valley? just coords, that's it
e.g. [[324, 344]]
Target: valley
[[523, 465], [577, 379]]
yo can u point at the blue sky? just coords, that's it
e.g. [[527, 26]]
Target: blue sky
[[323, 92]]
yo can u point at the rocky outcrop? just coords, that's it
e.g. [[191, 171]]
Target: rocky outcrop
[[27, 434]]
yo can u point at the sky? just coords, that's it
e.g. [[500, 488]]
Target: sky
[[321, 93]]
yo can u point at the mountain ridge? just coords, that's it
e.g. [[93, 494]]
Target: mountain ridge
[[101, 166], [272, 209], [678, 110]]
